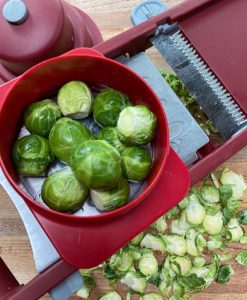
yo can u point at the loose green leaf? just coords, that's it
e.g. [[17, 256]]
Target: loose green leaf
[[225, 273], [242, 258]]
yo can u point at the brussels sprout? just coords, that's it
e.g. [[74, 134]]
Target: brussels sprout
[[243, 240], [180, 226], [136, 163], [107, 200], [164, 288], [183, 204], [200, 242], [173, 213], [65, 136], [180, 265], [213, 224], [110, 135], [210, 194], [88, 285], [195, 212], [242, 258], [175, 244], [225, 273], [242, 217], [136, 125], [199, 262], [135, 281], [160, 225], [224, 257], [192, 283], [191, 243], [178, 290], [107, 106], [61, 191], [122, 261], [111, 296], [214, 242], [137, 239], [225, 193], [153, 242], [234, 232], [148, 264], [32, 155], [201, 272], [151, 296], [75, 100], [97, 164], [39, 117]]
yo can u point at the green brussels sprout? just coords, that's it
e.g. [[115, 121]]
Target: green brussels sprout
[[195, 212], [97, 164], [199, 262], [175, 244], [61, 191], [181, 265], [136, 125], [107, 200], [148, 264], [234, 231], [107, 106], [210, 194], [225, 273], [110, 296], [242, 257], [88, 285], [110, 135], [213, 224], [137, 239], [32, 155], [153, 242], [65, 136], [160, 225], [242, 217], [75, 100], [39, 117], [152, 296], [136, 163], [135, 281]]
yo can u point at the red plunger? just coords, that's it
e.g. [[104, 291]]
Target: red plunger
[[33, 30]]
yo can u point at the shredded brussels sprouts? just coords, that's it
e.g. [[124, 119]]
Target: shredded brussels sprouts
[[153, 242]]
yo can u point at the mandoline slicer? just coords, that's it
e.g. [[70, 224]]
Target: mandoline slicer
[[203, 42]]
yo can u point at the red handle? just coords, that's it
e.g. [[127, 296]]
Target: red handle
[[7, 280], [88, 244]]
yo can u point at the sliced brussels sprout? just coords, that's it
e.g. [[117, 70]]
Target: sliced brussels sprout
[[151, 296], [61, 191], [183, 204], [200, 242], [110, 296], [234, 231], [136, 163], [107, 200], [164, 288], [224, 257], [181, 265], [88, 285], [210, 194], [108, 105], [137, 240], [201, 272], [180, 226], [199, 262], [242, 257], [75, 100], [136, 125], [242, 217], [225, 193], [173, 213], [110, 135], [192, 283], [65, 137], [148, 264], [135, 281], [191, 243], [177, 289], [97, 164], [243, 240], [154, 279], [236, 181], [214, 242], [153, 242], [195, 212], [213, 224], [225, 273], [32, 155], [39, 117], [175, 244], [126, 260], [160, 225]]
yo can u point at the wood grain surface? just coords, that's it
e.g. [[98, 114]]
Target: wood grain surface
[[112, 17]]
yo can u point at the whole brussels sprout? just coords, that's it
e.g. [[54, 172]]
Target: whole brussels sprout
[[136, 163], [61, 191], [32, 155], [65, 136], [97, 164], [39, 117], [136, 125], [107, 106], [107, 200], [110, 135], [75, 100]]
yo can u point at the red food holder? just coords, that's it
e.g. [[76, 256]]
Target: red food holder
[[169, 188]]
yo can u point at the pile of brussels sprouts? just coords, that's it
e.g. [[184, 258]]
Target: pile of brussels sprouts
[[184, 251], [98, 165]]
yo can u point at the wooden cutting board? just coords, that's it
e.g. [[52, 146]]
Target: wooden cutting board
[[112, 17]]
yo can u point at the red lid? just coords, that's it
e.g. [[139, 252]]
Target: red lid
[[37, 33]]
